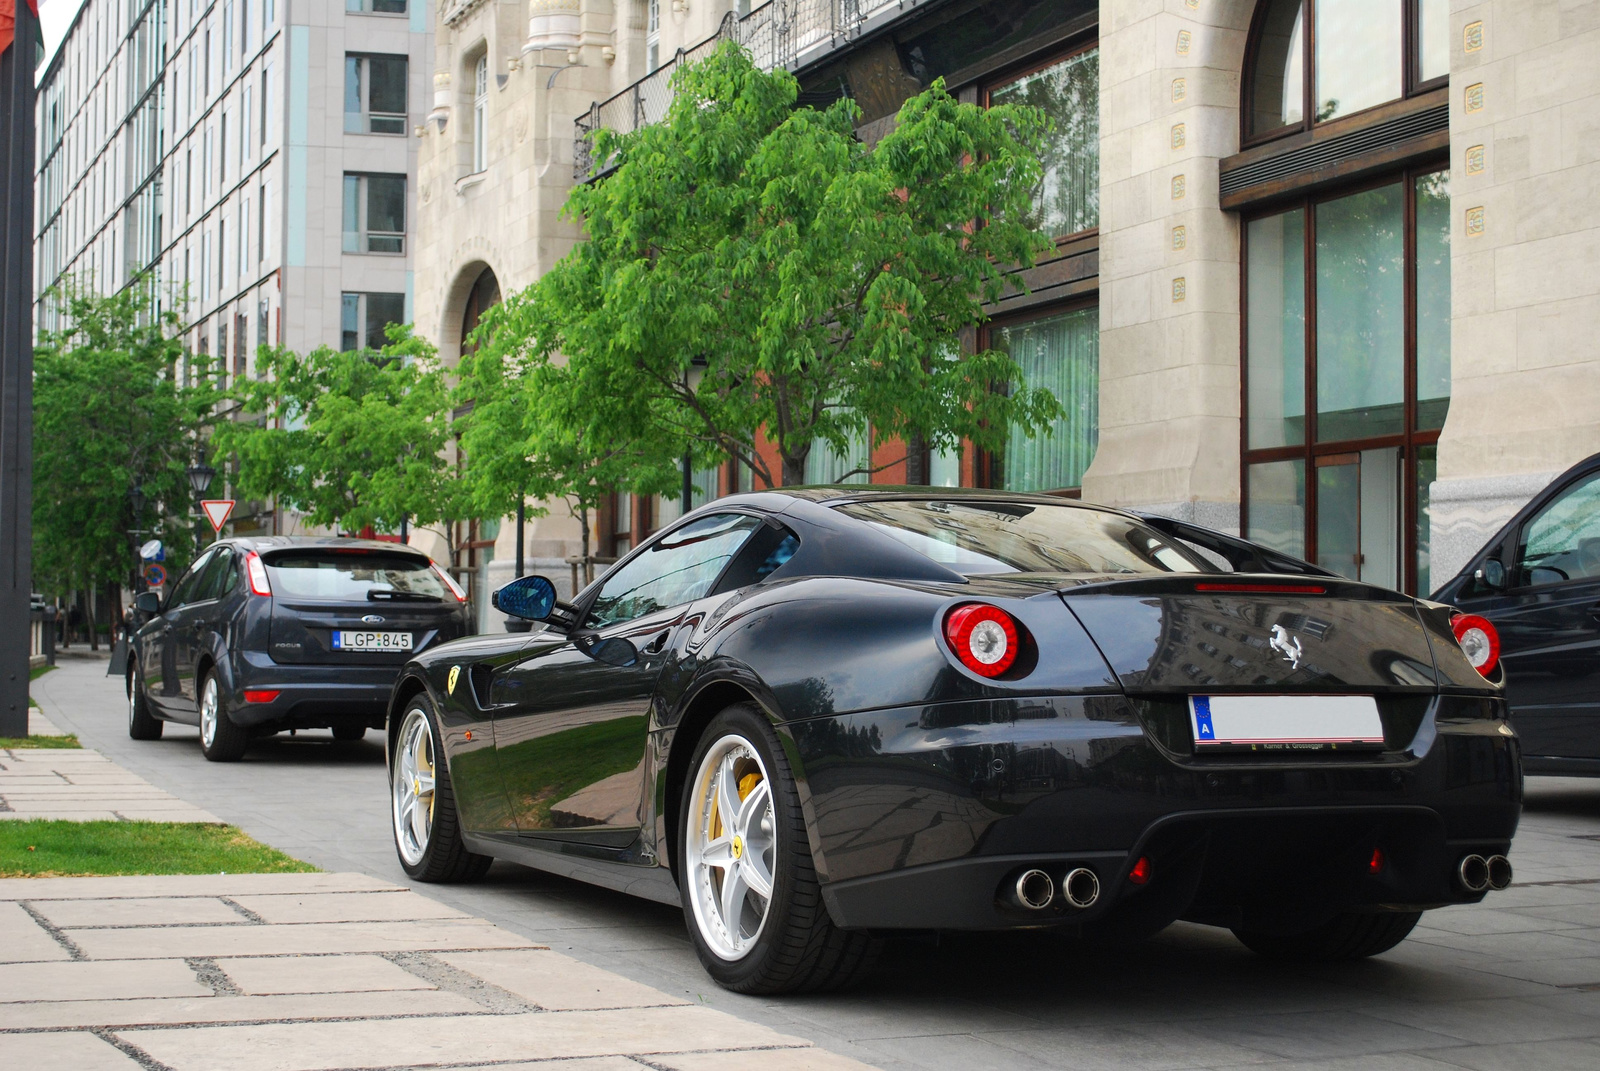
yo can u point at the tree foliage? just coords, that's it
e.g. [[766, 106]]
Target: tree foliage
[[113, 409], [349, 439], [754, 270]]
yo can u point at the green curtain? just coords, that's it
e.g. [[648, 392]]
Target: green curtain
[[1062, 354]]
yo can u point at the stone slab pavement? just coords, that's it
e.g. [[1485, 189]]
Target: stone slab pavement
[[310, 972], [82, 784], [1513, 983]]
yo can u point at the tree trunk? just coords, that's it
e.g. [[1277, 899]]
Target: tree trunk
[[588, 563], [794, 470]]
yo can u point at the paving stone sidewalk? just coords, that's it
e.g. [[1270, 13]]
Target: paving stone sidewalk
[[81, 784], [295, 972]]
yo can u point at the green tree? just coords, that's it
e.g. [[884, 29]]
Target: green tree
[[117, 405], [351, 438], [753, 270]]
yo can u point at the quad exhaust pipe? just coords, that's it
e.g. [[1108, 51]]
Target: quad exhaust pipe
[[1477, 873], [1035, 890]]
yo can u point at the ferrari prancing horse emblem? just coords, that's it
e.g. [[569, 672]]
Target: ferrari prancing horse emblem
[[1282, 642], [450, 682]]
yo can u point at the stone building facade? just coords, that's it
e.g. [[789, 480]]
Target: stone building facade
[[1321, 266]]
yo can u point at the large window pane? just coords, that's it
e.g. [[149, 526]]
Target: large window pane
[[383, 310], [1062, 354], [1068, 197], [387, 94], [1433, 42], [349, 322], [386, 203], [1433, 299], [1275, 496], [1358, 522], [1278, 95], [1361, 315], [352, 95], [1358, 55], [352, 214], [1276, 342]]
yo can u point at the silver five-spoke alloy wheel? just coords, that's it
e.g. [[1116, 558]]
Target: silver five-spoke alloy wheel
[[731, 847], [413, 787], [210, 705]]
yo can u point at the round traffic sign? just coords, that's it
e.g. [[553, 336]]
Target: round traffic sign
[[155, 575]]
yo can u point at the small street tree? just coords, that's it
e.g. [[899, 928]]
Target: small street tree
[[754, 271], [350, 439], [120, 411]]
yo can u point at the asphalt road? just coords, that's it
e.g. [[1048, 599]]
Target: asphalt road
[[1512, 983]]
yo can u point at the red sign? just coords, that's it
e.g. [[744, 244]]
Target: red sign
[[217, 510]]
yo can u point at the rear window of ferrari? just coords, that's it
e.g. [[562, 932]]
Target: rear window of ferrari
[[347, 575], [981, 536]]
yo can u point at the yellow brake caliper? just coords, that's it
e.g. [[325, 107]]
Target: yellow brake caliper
[[747, 785], [432, 795]]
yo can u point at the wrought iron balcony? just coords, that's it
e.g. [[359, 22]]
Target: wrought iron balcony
[[787, 33]]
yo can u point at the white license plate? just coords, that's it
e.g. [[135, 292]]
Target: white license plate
[[344, 640], [1284, 722]]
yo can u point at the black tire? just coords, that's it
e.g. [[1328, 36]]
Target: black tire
[[142, 725], [348, 731], [445, 858], [1344, 937], [799, 949], [228, 741]]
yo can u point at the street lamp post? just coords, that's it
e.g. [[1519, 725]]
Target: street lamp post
[[200, 477]]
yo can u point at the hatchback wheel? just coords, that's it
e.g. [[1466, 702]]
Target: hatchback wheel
[[142, 725], [427, 830], [749, 887], [220, 739]]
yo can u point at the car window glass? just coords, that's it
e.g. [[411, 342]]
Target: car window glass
[[1562, 541], [977, 536], [218, 576], [353, 575], [674, 570], [185, 591]]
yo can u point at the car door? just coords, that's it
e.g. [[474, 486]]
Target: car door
[[158, 651], [193, 621], [1549, 624], [570, 729]]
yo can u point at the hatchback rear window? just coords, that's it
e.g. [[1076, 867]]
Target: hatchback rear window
[[978, 536], [350, 576]]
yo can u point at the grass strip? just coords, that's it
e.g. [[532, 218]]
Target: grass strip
[[35, 672], [70, 740], [51, 848]]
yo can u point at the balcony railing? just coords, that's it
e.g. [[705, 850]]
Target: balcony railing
[[786, 33]]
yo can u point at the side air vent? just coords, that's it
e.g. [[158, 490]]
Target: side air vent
[[1331, 152]]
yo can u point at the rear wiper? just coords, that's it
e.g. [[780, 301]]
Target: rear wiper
[[391, 595]]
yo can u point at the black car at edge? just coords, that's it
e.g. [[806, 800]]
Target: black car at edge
[[812, 717], [284, 632], [1536, 583]]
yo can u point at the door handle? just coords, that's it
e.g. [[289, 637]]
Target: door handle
[[655, 645]]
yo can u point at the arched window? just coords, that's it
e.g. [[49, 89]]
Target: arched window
[[1315, 60], [480, 104]]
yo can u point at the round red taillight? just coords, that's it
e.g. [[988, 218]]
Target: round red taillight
[[1479, 641], [985, 638]]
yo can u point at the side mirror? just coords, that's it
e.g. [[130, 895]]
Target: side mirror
[[613, 652], [148, 602], [530, 598], [1492, 574]]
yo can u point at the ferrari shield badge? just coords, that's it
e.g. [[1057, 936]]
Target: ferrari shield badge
[[450, 682]]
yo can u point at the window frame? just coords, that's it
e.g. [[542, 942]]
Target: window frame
[[480, 114], [1076, 46], [1410, 440], [363, 233], [986, 468], [1411, 83], [366, 116]]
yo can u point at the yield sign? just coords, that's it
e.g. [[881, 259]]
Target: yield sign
[[217, 510]]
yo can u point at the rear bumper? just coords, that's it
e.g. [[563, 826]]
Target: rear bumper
[[923, 818], [309, 696]]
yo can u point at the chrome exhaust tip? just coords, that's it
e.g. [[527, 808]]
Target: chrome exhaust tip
[[1473, 873], [1081, 888], [1499, 872], [1035, 890]]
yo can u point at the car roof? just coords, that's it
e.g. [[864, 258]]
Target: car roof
[[843, 494]]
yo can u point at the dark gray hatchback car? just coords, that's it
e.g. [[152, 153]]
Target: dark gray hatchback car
[[285, 632]]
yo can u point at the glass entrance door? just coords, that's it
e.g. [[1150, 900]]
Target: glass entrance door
[[1358, 515]]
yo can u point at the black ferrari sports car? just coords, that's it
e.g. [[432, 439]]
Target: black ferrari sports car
[[814, 717]]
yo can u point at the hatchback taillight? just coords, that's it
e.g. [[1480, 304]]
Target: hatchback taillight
[[985, 638], [256, 569], [1479, 641], [455, 589]]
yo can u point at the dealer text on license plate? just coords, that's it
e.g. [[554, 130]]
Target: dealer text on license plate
[[344, 640], [1284, 722]]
